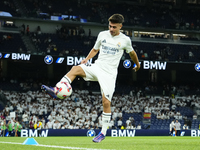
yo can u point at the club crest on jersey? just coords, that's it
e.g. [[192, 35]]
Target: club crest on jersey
[[104, 41], [118, 44]]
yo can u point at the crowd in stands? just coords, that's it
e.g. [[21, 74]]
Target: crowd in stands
[[74, 41], [66, 41], [167, 52], [9, 6], [157, 15], [83, 110], [11, 42]]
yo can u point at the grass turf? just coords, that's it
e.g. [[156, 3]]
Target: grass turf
[[117, 143]]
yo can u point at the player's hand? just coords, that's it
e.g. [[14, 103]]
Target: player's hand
[[84, 61], [136, 68]]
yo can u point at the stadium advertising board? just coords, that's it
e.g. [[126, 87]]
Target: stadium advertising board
[[34, 133], [158, 65], [112, 133], [164, 70], [16, 56], [195, 133], [76, 60], [71, 61]]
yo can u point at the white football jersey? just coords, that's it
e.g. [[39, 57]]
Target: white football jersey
[[111, 49]]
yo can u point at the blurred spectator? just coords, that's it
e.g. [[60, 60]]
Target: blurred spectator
[[190, 54], [89, 34], [56, 125], [70, 126], [49, 124], [25, 118], [119, 123], [139, 127], [178, 128], [31, 124], [27, 30], [23, 29], [57, 30], [185, 127], [111, 124], [39, 30], [194, 117], [130, 126]]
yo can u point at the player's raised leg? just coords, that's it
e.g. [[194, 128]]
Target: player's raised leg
[[106, 116], [69, 77]]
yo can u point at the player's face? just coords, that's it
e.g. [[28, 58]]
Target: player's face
[[115, 28]]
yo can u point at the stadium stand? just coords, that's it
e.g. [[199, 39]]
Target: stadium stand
[[81, 110], [9, 6], [159, 15], [11, 42], [49, 8], [56, 44], [163, 109]]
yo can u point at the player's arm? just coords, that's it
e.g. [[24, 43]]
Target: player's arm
[[94, 50], [134, 58], [91, 54]]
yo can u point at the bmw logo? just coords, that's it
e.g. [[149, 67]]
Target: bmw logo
[[91, 133], [127, 63], [197, 67], [0, 55], [48, 59]]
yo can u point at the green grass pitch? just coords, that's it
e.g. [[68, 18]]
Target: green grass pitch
[[114, 143]]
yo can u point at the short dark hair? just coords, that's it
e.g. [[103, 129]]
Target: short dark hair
[[116, 18]]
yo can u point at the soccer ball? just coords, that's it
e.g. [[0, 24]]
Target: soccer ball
[[63, 90]]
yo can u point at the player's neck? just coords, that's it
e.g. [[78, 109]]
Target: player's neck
[[116, 34]]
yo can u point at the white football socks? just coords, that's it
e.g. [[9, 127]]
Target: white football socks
[[105, 122], [66, 79]]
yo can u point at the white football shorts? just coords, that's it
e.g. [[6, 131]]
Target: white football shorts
[[106, 80]]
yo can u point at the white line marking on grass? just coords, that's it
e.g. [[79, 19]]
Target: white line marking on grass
[[54, 146], [10, 142]]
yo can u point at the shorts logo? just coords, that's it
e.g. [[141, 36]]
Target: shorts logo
[[104, 41], [91, 133], [197, 67], [48, 59], [107, 96], [127, 63], [106, 121]]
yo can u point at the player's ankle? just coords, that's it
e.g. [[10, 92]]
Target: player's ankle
[[66, 79]]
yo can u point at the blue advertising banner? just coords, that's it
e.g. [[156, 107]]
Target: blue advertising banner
[[112, 133]]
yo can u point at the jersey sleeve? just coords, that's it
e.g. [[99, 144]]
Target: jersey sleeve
[[129, 47], [98, 42]]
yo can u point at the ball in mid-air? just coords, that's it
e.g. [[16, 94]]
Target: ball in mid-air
[[63, 90]]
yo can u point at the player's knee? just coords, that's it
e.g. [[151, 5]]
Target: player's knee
[[77, 70], [106, 103]]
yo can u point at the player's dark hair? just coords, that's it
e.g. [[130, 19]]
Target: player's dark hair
[[116, 18]]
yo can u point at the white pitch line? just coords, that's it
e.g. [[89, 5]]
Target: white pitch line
[[54, 146], [10, 142]]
